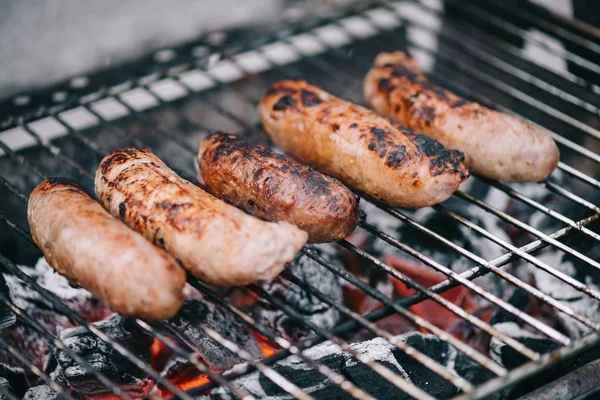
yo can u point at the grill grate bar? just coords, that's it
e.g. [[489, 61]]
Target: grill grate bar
[[579, 175], [506, 276], [56, 343], [571, 196], [270, 373], [38, 372], [546, 210], [539, 234], [554, 29], [288, 349]]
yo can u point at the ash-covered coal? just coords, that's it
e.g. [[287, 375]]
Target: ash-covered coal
[[312, 274], [27, 340], [186, 327], [12, 380], [43, 392], [103, 358], [318, 386]]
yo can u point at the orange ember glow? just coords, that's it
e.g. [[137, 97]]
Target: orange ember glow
[[189, 377], [437, 314], [265, 345]]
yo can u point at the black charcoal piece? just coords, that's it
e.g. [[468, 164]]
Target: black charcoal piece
[[318, 386], [105, 359], [186, 327], [7, 316], [12, 380], [312, 274]]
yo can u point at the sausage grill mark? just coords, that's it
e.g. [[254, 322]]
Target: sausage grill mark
[[310, 99], [284, 103]]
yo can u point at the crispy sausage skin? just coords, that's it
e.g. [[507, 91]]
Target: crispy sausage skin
[[216, 242], [276, 188], [495, 144], [360, 148], [98, 252]]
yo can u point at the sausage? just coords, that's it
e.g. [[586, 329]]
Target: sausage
[[96, 251], [216, 242], [495, 144], [360, 148], [274, 187]]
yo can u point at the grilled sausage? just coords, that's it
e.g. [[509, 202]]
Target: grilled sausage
[[276, 188], [495, 144], [96, 251], [360, 148], [216, 242]]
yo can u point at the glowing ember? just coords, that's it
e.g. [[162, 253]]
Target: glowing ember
[[266, 346], [429, 309]]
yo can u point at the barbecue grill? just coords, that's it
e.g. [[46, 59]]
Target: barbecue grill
[[170, 100]]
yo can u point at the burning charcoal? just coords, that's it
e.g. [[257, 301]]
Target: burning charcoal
[[313, 274], [43, 392], [318, 386], [7, 316], [13, 380], [186, 326], [104, 359]]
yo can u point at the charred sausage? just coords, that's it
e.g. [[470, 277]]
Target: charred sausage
[[276, 188], [360, 148], [495, 144], [96, 251], [216, 242]]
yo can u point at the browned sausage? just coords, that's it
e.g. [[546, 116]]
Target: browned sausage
[[358, 147], [216, 242], [98, 252], [276, 188], [495, 144]]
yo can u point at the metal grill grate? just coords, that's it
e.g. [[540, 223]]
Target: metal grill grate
[[169, 107]]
